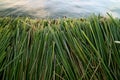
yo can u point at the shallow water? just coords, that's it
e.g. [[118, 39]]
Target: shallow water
[[58, 8]]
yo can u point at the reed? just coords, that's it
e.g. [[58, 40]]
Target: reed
[[60, 49]]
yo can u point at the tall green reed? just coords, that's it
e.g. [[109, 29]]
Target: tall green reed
[[60, 49]]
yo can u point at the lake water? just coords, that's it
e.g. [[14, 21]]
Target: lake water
[[58, 8]]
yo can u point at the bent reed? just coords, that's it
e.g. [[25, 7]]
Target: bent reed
[[60, 49]]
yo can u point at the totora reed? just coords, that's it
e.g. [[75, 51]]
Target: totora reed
[[60, 49]]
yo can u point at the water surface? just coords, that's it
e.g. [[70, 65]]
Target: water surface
[[58, 8]]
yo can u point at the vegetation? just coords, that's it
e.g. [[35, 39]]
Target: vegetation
[[60, 49]]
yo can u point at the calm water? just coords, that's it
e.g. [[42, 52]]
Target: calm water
[[58, 8]]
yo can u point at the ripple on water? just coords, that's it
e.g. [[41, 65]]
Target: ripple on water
[[58, 8]]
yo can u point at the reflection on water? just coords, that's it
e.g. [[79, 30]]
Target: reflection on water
[[58, 8]]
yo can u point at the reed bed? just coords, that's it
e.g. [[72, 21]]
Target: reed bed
[[60, 49]]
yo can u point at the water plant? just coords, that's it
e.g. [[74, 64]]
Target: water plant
[[60, 49]]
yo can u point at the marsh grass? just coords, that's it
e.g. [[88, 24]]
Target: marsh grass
[[60, 49]]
